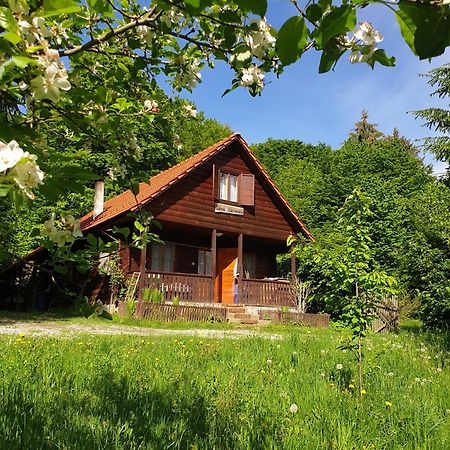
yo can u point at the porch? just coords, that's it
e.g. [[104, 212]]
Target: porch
[[194, 288], [211, 266]]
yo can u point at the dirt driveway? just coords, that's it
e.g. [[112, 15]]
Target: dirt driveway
[[68, 330]]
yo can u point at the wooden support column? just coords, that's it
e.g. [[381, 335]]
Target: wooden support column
[[240, 265], [142, 269], [293, 265], [213, 263]]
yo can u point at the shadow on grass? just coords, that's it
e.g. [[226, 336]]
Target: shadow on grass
[[110, 412], [436, 338], [11, 317]]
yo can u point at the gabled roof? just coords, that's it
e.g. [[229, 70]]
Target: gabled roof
[[127, 202]]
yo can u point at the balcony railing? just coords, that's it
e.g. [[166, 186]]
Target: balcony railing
[[199, 289], [186, 287], [266, 292]]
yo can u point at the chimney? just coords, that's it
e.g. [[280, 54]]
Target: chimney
[[99, 196]]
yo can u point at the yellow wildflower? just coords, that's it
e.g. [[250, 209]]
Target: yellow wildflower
[[388, 404], [363, 392], [351, 386]]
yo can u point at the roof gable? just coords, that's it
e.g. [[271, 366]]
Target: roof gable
[[128, 202]]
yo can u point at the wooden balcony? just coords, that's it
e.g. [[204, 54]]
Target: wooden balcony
[[266, 292], [186, 286]]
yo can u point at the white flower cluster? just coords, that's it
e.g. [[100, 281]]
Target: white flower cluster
[[190, 110], [21, 166], [252, 76], [369, 37], [117, 172], [259, 41], [145, 34], [151, 106], [188, 74], [64, 230], [171, 17], [54, 78]]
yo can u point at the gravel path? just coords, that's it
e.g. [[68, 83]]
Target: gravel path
[[67, 330]]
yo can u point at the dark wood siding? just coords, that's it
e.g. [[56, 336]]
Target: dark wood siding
[[191, 202]]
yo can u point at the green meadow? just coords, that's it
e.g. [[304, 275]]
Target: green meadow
[[299, 392]]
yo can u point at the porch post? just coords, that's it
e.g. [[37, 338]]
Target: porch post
[[142, 268], [240, 265], [293, 265], [213, 263]]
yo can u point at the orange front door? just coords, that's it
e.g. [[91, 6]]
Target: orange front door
[[226, 260]]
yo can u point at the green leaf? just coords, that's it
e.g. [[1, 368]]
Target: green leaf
[[4, 189], [196, 6], [338, 21], [7, 20], [381, 57], [329, 58], [92, 240], [314, 12], [59, 7], [22, 61], [424, 27], [255, 6], [12, 37], [292, 39]]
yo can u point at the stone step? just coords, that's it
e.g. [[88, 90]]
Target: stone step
[[236, 309], [243, 316], [252, 321]]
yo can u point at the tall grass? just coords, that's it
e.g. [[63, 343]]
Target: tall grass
[[168, 393]]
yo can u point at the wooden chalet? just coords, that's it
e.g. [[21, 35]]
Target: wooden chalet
[[223, 223]]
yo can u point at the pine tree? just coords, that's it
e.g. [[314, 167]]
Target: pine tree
[[438, 119], [365, 131]]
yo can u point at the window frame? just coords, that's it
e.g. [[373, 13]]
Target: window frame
[[228, 174]]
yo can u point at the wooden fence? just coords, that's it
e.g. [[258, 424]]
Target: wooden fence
[[387, 317], [186, 287], [189, 313], [266, 293]]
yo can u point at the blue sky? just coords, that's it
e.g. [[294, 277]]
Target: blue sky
[[323, 108]]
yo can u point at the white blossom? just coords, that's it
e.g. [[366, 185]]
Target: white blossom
[[367, 34], [260, 40], [10, 155], [116, 172], [151, 105], [145, 33], [252, 75], [188, 74], [49, 86], [190, 110], [27, 174], [171, 17], [49, 57], [369, 38], [293, 408], [339, 366], [72, 224]]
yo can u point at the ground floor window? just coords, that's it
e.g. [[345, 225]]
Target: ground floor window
[[204, 262], [249, 265], [162, 257]]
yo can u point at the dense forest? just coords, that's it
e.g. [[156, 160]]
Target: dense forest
[[410, 225]]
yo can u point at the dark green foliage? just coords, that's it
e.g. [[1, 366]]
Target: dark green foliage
[[438, 119], [409, 228]]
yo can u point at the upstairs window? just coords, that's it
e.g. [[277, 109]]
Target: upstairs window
[[228, 187]]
